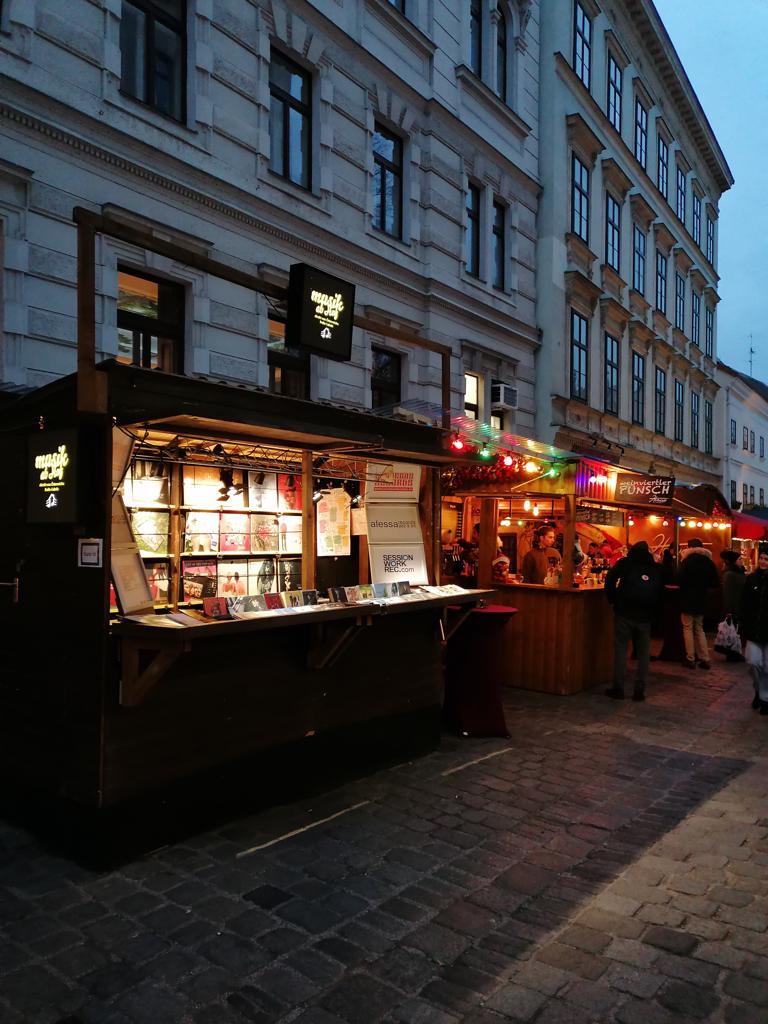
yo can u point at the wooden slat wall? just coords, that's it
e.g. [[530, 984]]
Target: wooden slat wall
[[559, 642]]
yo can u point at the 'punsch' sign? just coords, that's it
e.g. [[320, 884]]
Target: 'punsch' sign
[[636, 489]]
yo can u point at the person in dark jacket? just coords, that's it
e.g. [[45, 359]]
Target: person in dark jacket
[[734, 577], [696, 578], [634, 587], [753, 622]]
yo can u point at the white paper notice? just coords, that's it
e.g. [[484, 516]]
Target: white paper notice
[[333, 523], [393, 524]]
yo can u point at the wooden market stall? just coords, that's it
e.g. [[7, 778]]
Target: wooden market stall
[[143, 509]]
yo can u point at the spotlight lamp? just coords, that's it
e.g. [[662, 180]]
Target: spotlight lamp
[[457, 444]]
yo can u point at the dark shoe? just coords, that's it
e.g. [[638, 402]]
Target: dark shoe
[[689, 663], [706, 665], [755, 702], [639, 694], [764, 707], [615, 693]]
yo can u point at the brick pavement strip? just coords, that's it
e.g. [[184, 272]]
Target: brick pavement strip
[[610, 866]]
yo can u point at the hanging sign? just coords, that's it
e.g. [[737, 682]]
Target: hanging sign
[[599, 516], [637, 489], [391, 563], [393, 524], [393, 481], [52, 477], [321, 310]]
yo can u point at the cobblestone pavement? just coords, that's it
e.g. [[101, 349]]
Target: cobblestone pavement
[[607, 863]]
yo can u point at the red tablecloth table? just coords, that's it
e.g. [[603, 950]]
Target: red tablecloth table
[[474, 659]]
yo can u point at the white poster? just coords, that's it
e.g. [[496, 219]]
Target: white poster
[[393, 481], [393, 563], [393, 524], [333, 523]]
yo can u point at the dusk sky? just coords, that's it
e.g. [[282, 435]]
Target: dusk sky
[[723, 48]]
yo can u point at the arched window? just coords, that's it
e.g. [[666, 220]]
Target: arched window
[[476, 36], [501, 53]]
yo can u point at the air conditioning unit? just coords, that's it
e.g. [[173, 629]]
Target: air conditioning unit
[[503, 396]]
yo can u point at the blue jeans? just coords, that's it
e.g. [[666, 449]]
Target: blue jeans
[[639, 633]]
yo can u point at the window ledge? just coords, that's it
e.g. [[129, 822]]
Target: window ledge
[[402, 26], [469, 81], [164, 123]]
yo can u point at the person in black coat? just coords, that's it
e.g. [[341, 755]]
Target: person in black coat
[[696, 578], [753, 624], [634, 587]]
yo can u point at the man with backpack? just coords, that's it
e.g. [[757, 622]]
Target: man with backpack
[[634, 587]]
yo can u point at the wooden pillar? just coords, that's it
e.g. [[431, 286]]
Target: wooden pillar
[[489, 523], [91, 386], [363, 561], [569, 539], [437, 527], [308, 545]]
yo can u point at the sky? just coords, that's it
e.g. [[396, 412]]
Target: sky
[[723, 48]]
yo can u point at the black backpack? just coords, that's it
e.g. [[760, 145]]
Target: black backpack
[[639, 586]]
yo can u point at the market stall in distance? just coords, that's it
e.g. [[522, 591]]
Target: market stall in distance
[[563, 640]]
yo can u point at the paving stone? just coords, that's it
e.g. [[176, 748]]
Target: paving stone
[[359, 999], [417, 1011], [439, 943], [749, 990], [404, 969], [671, 939], [585, 938], [636, 981], [688, 1000], [576, 961], [516, 1002], [613, 924]]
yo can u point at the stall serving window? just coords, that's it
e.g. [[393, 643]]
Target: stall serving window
[[209, 522], [150, 322]]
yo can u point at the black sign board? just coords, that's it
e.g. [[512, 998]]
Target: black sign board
[[640, 490], [52, 477], [321, 309], [599, 516]]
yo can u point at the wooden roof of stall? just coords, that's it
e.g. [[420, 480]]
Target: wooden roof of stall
[[204, 408]]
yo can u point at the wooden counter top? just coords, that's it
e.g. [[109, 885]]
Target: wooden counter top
[[540, 588]]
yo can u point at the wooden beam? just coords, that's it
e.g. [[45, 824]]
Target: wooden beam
[[308, 539], [91, 386], [489, 528]]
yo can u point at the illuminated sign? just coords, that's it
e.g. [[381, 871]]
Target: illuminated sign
[[321, 309], [636, 489], [52, 480]]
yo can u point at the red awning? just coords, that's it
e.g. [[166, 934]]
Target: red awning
[[746, 527]]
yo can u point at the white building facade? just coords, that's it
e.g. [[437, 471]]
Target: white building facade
[[627, 289], [392, 144], [744, 411]]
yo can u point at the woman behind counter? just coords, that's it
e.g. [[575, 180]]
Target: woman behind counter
[[541, 556]]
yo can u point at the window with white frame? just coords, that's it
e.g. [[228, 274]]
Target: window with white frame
[[582, 44], [696, 219], [387, 182], [694, 419], [679, 409], [611, 385], [660, 403], [695, 318], [733, 494], [710, 240], [762, 447], [638, 388], [472, 236], [579, 198], [641, 132], [752, 442], [680, 193], [612, 232], [709, 332], [502, 54], [708, 428], [290, 120], [680, 302], [499, 245], [744, 495], [613, 101], [733, 432], [476, 37], [472, 396], [639, 242], [751, 494], [579, 356], [661, 282], [662, 166], [150, 322], [153, 54], [386, 378], [745, 439]]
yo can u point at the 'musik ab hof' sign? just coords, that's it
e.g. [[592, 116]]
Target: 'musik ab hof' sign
[[321, 309], [51, 479]]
